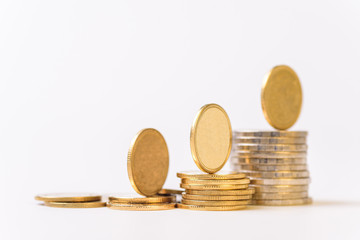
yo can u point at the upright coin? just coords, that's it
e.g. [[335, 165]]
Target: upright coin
[[148, 162], [281, 97], [68, 197], [219, 175], [211, 138]]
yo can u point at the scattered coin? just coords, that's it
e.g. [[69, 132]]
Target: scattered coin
[[218, 175], [214, 187], [216, 197], [271, 140], [280, 196], [68, 197], [141, 207], [281, 181], [211, 208], [288, 202], [248, 191], [271, 134], [138, 199], [271, 147], [215, 181], [75, 204], [277, 174]]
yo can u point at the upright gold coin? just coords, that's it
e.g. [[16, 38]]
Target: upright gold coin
[[141, 207], [134, 198], [281, 97], [219, 175], [75, 204], [211, 138], [68, 197], [210, 208], [148, 162]]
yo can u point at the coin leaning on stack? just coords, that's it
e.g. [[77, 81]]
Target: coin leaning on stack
[[275, 162]]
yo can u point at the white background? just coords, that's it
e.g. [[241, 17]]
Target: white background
[[78, 79]]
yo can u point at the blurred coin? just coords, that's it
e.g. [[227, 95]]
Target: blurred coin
[[288, 202], [216, 198], [68, 197], [271, 147], [75, 204], [281, 181], [215, 181], [214, 203], [135, 198], [257, 154], [214, 187], [141, 207], [258, 167], [270, 140], [218, 175], [270, 134], [280, 188], [280, 196], [270, 161], [211, 208], [277, 174], [248, 191]]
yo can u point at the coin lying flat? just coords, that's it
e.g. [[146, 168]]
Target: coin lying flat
[[214, 187], [281, 181], [148, 162], [211, 138], [280, 188], [248, 191], [215, 181], [68, 197], [258, 167], [271, 147], [280, 196], [288, 202], [257, 154], [216, 198], [75, 204], [219, 175], [211, 208], [281, 97], [278, 174], [166, 191], [214, 203], [270, 161], [135, 198], [270, 134], [270, 140], [141, 207]]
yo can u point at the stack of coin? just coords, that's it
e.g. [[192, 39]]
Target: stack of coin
[[71, 200], [141, 203]]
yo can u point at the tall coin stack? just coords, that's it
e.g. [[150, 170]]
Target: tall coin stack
[[210, 142]]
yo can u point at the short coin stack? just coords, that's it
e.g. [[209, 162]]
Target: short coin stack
[[71, 200], [275, 162]]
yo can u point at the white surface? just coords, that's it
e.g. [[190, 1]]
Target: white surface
[[78, 79]]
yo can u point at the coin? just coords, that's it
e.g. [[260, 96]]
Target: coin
[[277, 174], [270, 161], [271, 140], [166, 191], [271, 147], [214, 187], [216, 198], [256, 154], [141, 207], [218, 175], [281, 181], [270, 134], [215, 181], [211, 138], [280, 196], [287, 202], [211, 208], [258, 167], [135, 198], [148, 162], [75, 204], [68, 197], [214, 203], [248, 191], [281, 97], [280, 188]]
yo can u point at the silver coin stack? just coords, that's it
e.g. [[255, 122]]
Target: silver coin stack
[[276, 163]]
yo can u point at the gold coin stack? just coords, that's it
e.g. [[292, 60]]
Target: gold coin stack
[[275, 162], [71, 200]]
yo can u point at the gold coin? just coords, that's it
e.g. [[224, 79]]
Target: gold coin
[[288, 202], [211, 138], [166, 191], [277, 174], [248, 191], [68, 197], [269, 140], [281, 181], [257, 154], [280, 188], [141, 207], [75, 204], [270, 134], [271, 147], [280, 196], [216, 198], [270, 161], [214, 203], [211, 208], [215, 181], [218, 175], [134, 199], [281, 97], [148, 162], [214, 187], [258, 167]]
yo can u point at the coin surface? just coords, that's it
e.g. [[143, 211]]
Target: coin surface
[[148, 162], [277, 174], [214, 203], [280, 188], [270, 161], [215, 181], [257, 154], [75, 204], [270, 140], [280, 196], [248, 191], [211, 138], [272, 134], [214, 187], [68, 197], [271, 147], [288, 202], [166, 191], [281, 181], [141, 207], [211, 208], [135, 198], [281, 97], [218, 175], [258, 167], [216, 198]]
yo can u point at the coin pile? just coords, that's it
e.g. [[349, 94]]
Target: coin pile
[[71, 200], [275, 162], [141, 203]]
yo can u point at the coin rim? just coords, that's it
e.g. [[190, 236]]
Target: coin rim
[[141, 207], [214, 176], [93, 198], [211, 208], [95, 204], [144, 200]]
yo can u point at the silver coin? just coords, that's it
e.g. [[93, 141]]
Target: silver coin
[[277, 174], [279, 188], [270, 161], [269, 140], [280, 196], [270, 147], [280, 181], [288, 202], [249, 133], [266, 167], [257, 154]]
